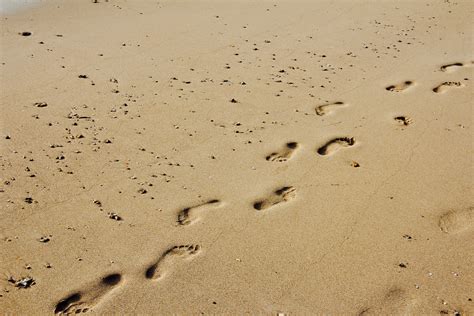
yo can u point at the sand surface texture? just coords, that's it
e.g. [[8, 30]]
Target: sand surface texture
[[237, 157]]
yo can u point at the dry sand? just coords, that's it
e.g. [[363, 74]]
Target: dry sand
[[237, 157]]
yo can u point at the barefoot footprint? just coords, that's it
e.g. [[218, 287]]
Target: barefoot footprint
[[281, 195], [169, 259], [395, 302], [400, 87], [325, 109], [189, 215], [86, 300], [284, 154], [335, 144], [443, 87], [450, 67], [457, 221]]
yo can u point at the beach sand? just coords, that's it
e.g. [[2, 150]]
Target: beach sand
[[261, 157]]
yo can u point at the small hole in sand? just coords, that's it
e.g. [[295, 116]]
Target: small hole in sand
[[258, 205]]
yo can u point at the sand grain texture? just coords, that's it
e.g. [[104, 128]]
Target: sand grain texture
[[186, 157]]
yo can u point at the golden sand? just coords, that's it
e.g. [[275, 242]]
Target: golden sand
[[261, 157]]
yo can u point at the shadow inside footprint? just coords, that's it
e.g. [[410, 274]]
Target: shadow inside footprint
[[281, 195], [112, 279], [443, 87], [400, 87], [451, 66], [325, 109], [83, 301], [64, 304], [335, 144], [284, 154], [188, 215]]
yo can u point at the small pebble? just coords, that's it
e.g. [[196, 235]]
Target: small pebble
[[45, 239], [40, 104], [115, 216], [22, 283]]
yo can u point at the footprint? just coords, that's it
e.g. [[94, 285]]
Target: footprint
[[334, 145], [395, 302], [171, 258], [281, 195], [403, 120], [400, 87], [451, 67], [83, 301], [188, 215], [284, 154], [328, 108], [457, 220], [447, 85]]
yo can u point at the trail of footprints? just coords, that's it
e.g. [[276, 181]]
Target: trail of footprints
[[85, 300], [450, 222], [448, 85], [440, 88]]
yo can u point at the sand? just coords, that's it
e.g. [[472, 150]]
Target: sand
[[261, 157]]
